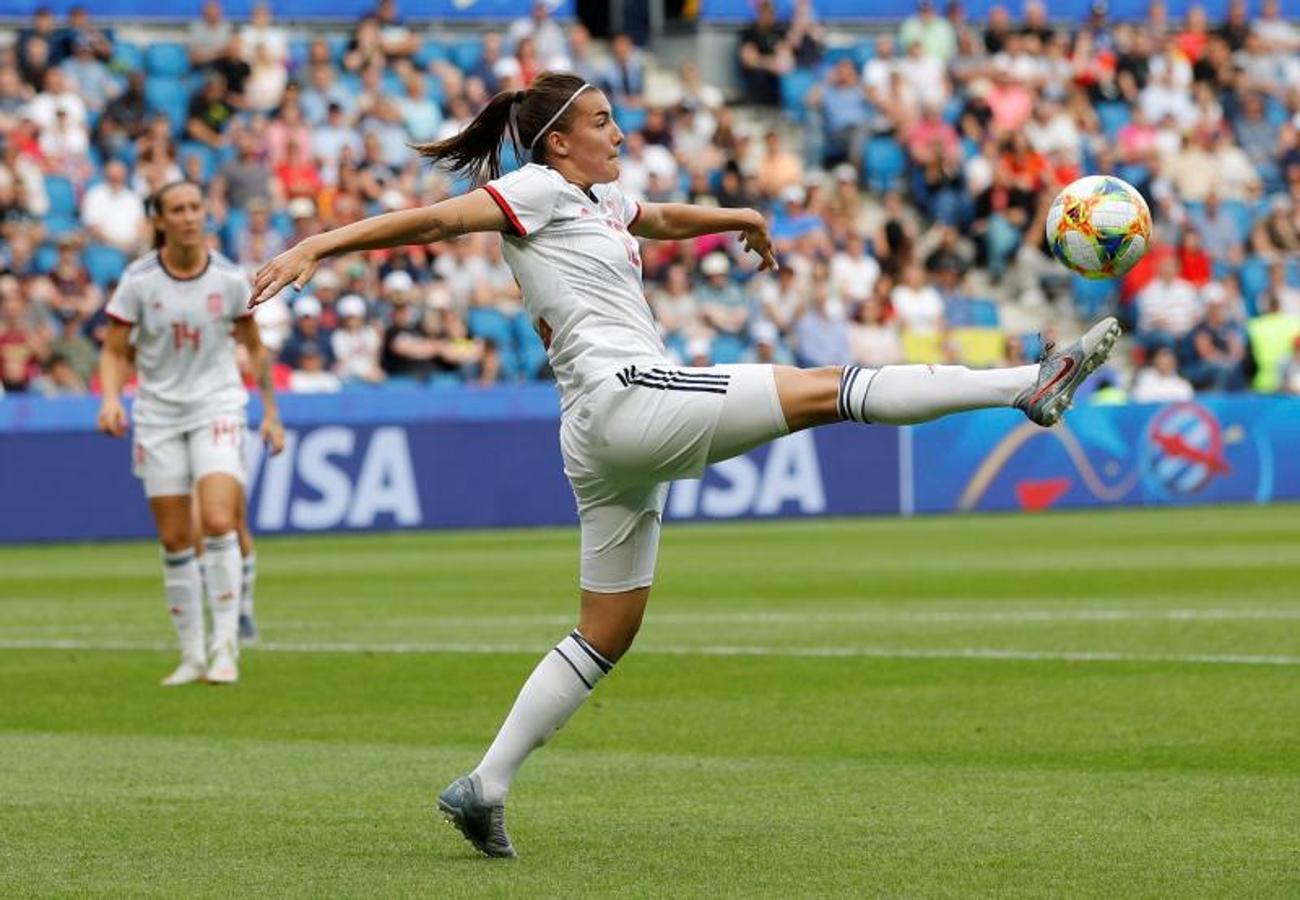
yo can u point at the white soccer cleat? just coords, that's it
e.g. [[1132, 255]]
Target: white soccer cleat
[[188, 672], [224, 668]]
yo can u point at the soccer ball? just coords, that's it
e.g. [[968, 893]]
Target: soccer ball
[[1099, 226]]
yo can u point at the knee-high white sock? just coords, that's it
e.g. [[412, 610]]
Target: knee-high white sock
[[222, 577], [905, 395], [562, 680], [185, 602], [248, 584]]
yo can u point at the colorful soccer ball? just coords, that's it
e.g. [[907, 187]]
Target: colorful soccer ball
[[1099, 226]]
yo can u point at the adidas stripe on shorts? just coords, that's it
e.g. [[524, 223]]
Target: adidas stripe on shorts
[[642, 427]]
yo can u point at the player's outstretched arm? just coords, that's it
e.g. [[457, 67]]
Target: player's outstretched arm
[[475, 211], [676, 221], [114, 364]]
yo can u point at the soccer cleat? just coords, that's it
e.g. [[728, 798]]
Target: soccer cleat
[[188, 672], [224, 668], [482, 824], [1061, 373], [247, 629]]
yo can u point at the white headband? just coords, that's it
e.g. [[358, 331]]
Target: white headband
[[558, 113]]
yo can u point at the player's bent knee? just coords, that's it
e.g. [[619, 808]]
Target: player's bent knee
[[218, 521], [176, 540]]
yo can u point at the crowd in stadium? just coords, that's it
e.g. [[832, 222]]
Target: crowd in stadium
[[906, 177]]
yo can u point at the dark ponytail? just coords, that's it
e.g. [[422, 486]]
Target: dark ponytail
[[475, 151]]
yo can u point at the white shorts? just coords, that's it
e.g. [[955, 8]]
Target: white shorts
[[646, 426], [171, 461]]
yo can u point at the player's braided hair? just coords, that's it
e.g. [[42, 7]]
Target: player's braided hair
[[476, 151], [153, 207]]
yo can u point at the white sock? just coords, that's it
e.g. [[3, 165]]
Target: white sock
[[562, 680], [222, 581], [247, 585], [905, 395], [185, 602]]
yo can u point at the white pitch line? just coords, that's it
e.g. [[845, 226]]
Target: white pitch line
[[972, 653]]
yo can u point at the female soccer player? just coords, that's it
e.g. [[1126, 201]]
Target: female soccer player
[[631, 421], [184, 303]]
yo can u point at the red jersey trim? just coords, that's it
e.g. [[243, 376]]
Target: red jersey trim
[[518, 227], [117, 318]]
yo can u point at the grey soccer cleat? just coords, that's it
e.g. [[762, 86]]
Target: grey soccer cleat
[[247, 630], [1061, 373], [482, 824]]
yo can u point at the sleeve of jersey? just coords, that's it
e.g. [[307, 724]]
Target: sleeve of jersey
[[631, 209], [527, 198], [124, 305]]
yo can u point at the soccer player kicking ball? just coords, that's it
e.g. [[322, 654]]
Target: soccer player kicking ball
[[631, 421], [184, 303]]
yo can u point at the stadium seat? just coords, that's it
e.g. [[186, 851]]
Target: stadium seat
[[864, 52], [727, 349], [979, 347], [491, 324], [466, 55], [1092, 298], [299, 50], [56, 226], [207, 157], [62, 196], [1113, 115], [794, 88], [1241, 214], [886, 163], [430, 51], [45, 258], [1254, 282], [629, 118], [166, 59], [169, 97], [965, 312], [127, 57], [531, 353], [104, 264], [834, 54], [922, 347], [338, 44]]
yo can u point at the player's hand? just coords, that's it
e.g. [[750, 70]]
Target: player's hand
[[757, 239], [294, 267], [273, 434], [112, 418]]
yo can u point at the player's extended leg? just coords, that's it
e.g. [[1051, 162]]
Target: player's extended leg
[[219, 495], [906, 395], [184, 589], [247, 625]]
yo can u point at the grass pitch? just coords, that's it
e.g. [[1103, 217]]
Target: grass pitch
[[1102, 704]]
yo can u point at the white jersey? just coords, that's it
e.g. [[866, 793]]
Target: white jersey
[[580, 272], [185, 354]]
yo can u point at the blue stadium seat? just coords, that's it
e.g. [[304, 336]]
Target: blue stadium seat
[[338, 44], [169, 97], [794, 88], [1254, 282], [56, 226], [166, 59], [864, 52], [430, 51], [834, 54], [886, 163], [1241, 214], [531, 353], [629, 118], [1113, 115], [1091, 298], [104, 264], [62, 196], [45, 258], [127, 57], [236, 219], [206, 155], [728, 349], [493, 325], [984, 313], [1134, 173], [466, 55], [299, 49], [443, 380]]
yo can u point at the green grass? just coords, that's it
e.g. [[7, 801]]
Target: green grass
[[798, 718]]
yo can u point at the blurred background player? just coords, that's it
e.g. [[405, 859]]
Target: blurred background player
[[248, 553], [185, 303], [631, 420]]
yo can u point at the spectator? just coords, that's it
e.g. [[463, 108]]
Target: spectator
[[821, 335], [1219, 232], [208, 35], [57, 98], [766, 347], [723, 305], [764, 56], [256, 241], [925, 75], [1167, 308], [397, 40], [59, 379], [113, 213], [366, 49], [579, 55], [155, 159], [780, 168], [1195, 265], [675, 307], [421, 116], [261, 32], [355, 344], [545, 33], [917, 304], [1289, 377], [307, 332], [625, 74], [780, 299], [288, 126], [21, 347], [1218, 350], [845, 114], [331, 138], [874, 340], [124, 119], [854, 271], [1285, 296], [1276, 235], [245, 179], [407, 351], [231, 65], [73, 347], [934, 34], [322, 92], [210, 113], [298, 175], [79, 30], [89, 76], [311, 375], [805, 38], [1160, 381], [264, 89]]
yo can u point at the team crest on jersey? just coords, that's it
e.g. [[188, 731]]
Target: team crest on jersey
[[215, 305]]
